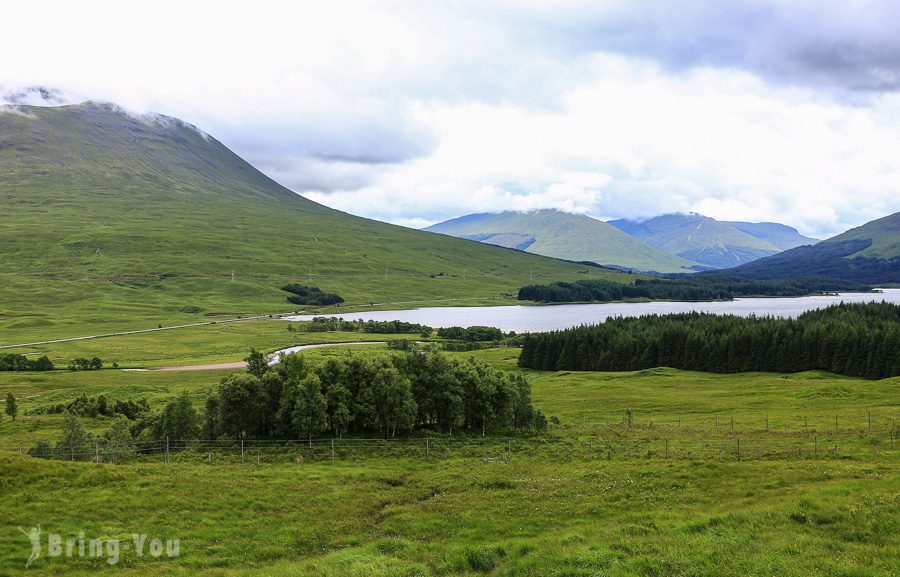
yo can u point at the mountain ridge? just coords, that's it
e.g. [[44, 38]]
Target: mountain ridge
[[867, 254], [564, 235], [716, 244]]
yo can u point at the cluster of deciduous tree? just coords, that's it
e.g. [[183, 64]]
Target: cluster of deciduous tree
[[77, 444], [16, 362], [367, 395], [310, 295], [330, 324], [82, 364], [85, 406], [693, 288], [851, 339], [471, 334]]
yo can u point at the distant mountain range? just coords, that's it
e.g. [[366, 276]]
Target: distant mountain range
[[665, 244], [712, 243], [564, 235], [868, 254]]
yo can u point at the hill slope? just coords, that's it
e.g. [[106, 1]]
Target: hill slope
[[867, 254], [123, 221], [706, 240], [782, 236], [563, 235]]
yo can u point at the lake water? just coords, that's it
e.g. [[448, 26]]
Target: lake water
[[534, 318]]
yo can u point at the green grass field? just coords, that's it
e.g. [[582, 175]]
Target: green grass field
[[194, 345], [541, 512]]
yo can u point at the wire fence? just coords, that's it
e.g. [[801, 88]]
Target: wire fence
[[488, 449], [883, 420]]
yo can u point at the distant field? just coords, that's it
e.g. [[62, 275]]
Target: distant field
[[194, 345]]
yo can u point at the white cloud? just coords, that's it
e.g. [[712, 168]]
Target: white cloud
[[417, 112]]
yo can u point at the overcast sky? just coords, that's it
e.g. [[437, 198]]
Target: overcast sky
[[415, 112]]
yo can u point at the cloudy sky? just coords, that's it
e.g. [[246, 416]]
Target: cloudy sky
[[415, 112]]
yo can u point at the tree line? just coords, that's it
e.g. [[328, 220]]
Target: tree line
[[333, 324], [100, 406], [17, 362], [471, 334], [693, 288], [850, 339]]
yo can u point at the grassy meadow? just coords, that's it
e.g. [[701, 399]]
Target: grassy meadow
[[559, 511]]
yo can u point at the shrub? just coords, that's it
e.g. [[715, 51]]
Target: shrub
[[310, 295]]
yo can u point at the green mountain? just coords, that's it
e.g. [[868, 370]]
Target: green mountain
[[781, 236], [867, 254], [121, 221], [564, 235], [707, 241]]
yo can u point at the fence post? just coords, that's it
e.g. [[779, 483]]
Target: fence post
[[167, 449], [738, 449], [427, 448], [242, 450], [332, 448], [667, 449], [717, 422], [874, 448], [508, 448], [870, 421], [805, 424], [816, 438], [835, 423], [732, 423], [97, 449], [591, 449]]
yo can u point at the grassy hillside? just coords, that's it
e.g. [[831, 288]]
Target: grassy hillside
[[783, 237], [867, 254], [884, 235], [563, 235], [116, 221], [700, 238]]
